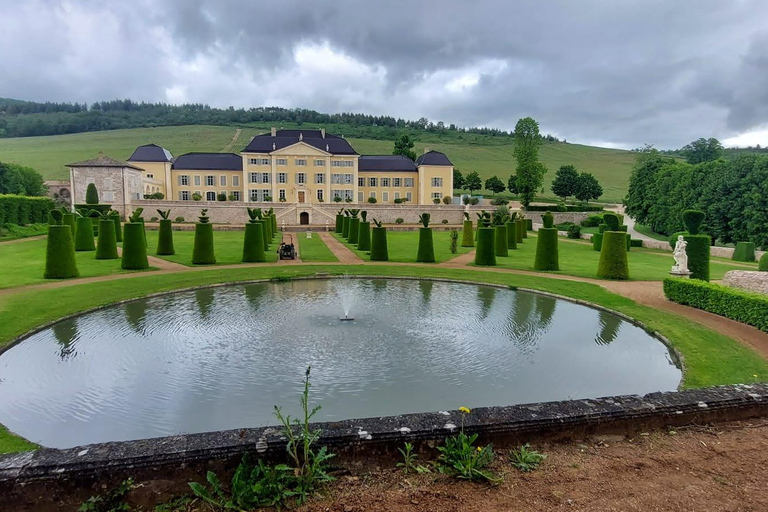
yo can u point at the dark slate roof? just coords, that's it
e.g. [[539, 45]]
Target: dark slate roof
[[433, 158], [208, 162], [283, 138], [104, 161], [151, 153], [385, 163]]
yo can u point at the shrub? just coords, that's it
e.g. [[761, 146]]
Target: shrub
[[68, 219], [337, 199], [197, 197], [398, 200], [202, 251], [741, 306], [548, 220], [592, 221], [165, 238], [115, 218], [574, 231], [153, 219], [447, 200], [597, 241], [561, 207], [60, 260], [692, 220], [485, 255], [525, 459], [23, 210], [266, 232], [453, 241], [613, 255], [501, 246], [436, 200], [763, 263], [134, 248], [547, 257], [635, 242], [745, 251], [179, 219], [474, 201], [467, 234], [372, 200], [426, 249], [339, 221], [499, 201], [379, 251], [345, 227], [84, 235], [611, 221], [569, 208], [354, 230], [273, 217], [673, 238], [253, 243], [698, 255], [91, 194], [399, 221], [364, 236], [107, 246], [511, 234], [221, 197], [465, 200], [520, 230]]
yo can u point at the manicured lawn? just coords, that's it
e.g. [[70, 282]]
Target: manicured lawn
[[314, 249], [647, 231], [14, 232], [227, 245], [23, 263], [578, 259], [402, 246]]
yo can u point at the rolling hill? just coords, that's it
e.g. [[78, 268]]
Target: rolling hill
[[488, 155]]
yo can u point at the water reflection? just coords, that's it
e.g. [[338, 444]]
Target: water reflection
[[66, 336], [204, 300], [609, 327]]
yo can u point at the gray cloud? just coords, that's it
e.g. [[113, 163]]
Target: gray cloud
[[620, 73]]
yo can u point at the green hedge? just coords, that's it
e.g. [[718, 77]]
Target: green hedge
[[511, 235], [520, 229], [426, 250], [597, 241], [202, 252], [633, 242], [60, 253], [500, 243], [23, 210], [379, 250], [467, 235], [568, 208], [339, 223], [485, 254], [84, 235], [134, 248], [698, 255], [763, 264], [107, 246], [613, 256], [364, 236], [354, 230], [165, 238], [547, 257], [253, 243], [742, 306], [745, 251], [345, 227]]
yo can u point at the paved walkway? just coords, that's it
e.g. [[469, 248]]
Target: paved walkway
[[341, 251]]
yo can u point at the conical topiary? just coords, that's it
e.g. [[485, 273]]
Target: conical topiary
[[345, 226], [762, 265], [354, 225], [266, 230], [203, 252], [91, 194], [500, 242], [520, 229], [467, 233], [253, 243], [699, 245], [613, 253], [273, 217], [136, 218], [84, 234], [426, 249], [511, 234], [485, 255], [134, 248], [339, 221], [60, 260], [68, 219], [364, 233], [106, 249], [379, 250], [115, 216], [165, 234], [527, 225], [547, 257]]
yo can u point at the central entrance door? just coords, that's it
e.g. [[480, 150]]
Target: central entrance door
[[301, 196], [304, 218]]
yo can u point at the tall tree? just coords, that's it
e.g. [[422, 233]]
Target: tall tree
[[702, 150], [512, 184], [17, 179], [404, 146], [495, 185], [587, 187], [458, 179], [530, 172], [472, 182], [565, 182]]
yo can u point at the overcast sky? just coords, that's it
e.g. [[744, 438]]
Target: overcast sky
[[608, 72]]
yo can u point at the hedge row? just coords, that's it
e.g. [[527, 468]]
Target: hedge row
[[568, 208], [23, 210], [744, 307]]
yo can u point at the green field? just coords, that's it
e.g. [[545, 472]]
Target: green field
[[469, 152], [403, 245]]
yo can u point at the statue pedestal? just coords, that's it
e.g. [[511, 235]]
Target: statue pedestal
[[684, 274]]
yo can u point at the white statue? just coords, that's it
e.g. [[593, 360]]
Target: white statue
[[681, 257]]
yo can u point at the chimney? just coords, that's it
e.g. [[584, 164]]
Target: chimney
[[322, 132], [301, 136], [274, 131]]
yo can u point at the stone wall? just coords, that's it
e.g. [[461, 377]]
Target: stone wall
[[111, 183], [718, 252], [749, 280]]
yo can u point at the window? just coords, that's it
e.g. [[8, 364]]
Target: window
[[301, 178], [108, 196], [319, 163], [184, 180], [320, 196], [282, 177], [336, 193], [223, 180], [409, 182], [344, 194], [437, 182], [301, 162], [336, 179], [253, 177], [342, 163], [436, 195], [210, 196], [254, 195], [396, 182], [210, 181], [359, 197], [347, 179], [385, 196], [197, 181], [236, 181], [372, 182], [320, 178], [409, 196], [348, 194], [281, 193], [397, 195], [149, 176], [384, 182], [184, 195], [265, 177], [373, 195], [282, 161], [360, 182], [265, 193], [236, 195], [258, 161]]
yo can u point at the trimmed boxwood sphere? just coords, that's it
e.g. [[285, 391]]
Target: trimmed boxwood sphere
[[698, 255], [106, 249], [547, 257], [745, 251], [60, 253], [467, 235], [345, 227], [354, 226], [339, 223], [134, 250], [118, 227], [613, 256], [597, 241], [485, 255], [511, 235], [202, 252], [426, 250], [379, 251], [84, 235], [253, 243], [500, 243], [364, 236], [165, 238], [763, 264]]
